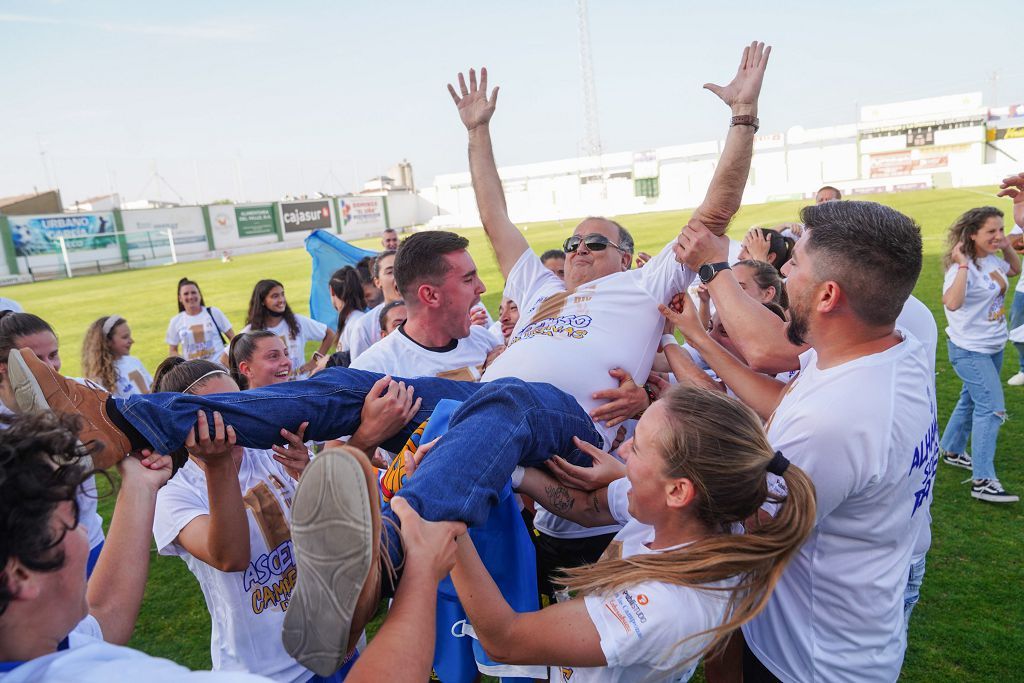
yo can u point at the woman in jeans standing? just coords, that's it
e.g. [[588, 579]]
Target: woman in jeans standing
[[972, 294]]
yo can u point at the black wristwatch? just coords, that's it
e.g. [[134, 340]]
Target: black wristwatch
[[708, 271]]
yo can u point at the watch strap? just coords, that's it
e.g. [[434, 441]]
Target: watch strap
[[746, 120]]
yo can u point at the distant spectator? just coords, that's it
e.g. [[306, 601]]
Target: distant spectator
[[389, 240], [554, 260], [198, 330], [827, 194]]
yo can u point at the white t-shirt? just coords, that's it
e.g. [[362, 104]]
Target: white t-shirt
[[197, 336], [86, 498], [10, 305], [399, 356], [247, 607], [348, 334], [573, 340], [917, 319], [132, 377], [309, 330], [88, 659], [641, 626], [866, 434], [979, 324], [367, 331]]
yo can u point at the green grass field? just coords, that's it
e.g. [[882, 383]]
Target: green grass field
[[967, 625]]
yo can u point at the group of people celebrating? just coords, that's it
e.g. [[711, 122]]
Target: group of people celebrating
[[757, 498]]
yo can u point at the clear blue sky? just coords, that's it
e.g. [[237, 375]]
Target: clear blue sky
[[242, 99]]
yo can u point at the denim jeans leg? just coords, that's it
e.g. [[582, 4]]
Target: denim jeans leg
[[331, 401], [507, 423], [980, 375], [1016, 320], [958, 427], [912, 593]]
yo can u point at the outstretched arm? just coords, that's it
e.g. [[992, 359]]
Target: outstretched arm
[[560, 634], [726, 190], [476, 110]]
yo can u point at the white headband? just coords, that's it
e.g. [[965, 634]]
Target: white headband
[[211, 372], [110, 323]]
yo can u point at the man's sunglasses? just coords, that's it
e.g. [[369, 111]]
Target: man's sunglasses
[[594, 242]]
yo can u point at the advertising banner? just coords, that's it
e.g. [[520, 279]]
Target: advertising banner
[[300, 216], [362, 214], [1005, 133], [255, 221], [185, 223], [41, 234]]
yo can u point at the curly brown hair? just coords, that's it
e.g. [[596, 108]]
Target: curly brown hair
[[97, 358]]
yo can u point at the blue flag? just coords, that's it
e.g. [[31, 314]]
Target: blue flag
[[329, 253]]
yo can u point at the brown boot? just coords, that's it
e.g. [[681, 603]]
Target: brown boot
[[37, 386], [336, 531]]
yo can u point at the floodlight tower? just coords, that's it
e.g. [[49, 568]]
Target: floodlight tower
[[592, 133]]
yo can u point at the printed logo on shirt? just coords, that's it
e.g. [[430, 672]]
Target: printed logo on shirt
[[466, 374], [270, 578], [566, 672], [926, 459], [642, 599], [627, 611]]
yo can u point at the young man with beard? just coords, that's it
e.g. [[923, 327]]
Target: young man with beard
[[860, 419]]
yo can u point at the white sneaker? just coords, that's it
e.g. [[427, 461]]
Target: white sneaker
[[992, 491], [1017, 380]]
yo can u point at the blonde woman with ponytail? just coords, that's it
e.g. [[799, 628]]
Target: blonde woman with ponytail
[[682, 574]]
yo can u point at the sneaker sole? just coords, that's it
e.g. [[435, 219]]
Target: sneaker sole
[[336, 534], [989, 498], [27, 392], [961, 465]]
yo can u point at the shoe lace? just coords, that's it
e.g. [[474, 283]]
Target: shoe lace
[[389, 566]]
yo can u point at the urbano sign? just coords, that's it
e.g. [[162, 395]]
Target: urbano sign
[[298, 216]]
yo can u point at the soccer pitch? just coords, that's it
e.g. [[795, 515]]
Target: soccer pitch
[[967, 625]]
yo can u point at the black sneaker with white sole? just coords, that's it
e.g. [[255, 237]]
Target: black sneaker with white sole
[[957, 459], [992, 491]]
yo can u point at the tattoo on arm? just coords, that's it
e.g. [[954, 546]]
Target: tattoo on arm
[[559, 499], [595, 504]]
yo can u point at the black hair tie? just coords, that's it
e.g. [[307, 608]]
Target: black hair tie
[[778, 464]]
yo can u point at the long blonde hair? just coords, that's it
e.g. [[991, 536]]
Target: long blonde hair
[[719, 445], [97, 358]]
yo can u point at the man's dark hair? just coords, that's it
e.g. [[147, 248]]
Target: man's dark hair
[[552, 253], [41, 466], [871, 250], [376, 261], [420, 259]]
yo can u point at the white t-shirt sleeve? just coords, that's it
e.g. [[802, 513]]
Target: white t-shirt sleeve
[[1017, 230], [644, 625], [618, 502], [177, 504], [172, 331], [311, 330], [529, 279], [222, 320], [86, 631], [664, 277], [947, 280]]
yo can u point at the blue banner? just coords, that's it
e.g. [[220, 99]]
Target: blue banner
[[41, 234], [329, 253]]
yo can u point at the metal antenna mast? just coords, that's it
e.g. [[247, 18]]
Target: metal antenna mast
[[592, 133]]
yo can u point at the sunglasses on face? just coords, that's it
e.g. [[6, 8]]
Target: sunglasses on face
[[594, 242]]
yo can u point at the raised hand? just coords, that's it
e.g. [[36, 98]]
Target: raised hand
[[696, 245], [429, 546], [384, 412], [149, 469], [606, 469], [758, 245], [957, 254], [1013, 187], [742, 92], [209, 450], [686, 320], [295, 455], [474, 107], [622, 402]]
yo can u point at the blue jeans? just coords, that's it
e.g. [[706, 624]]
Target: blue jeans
[[912, 593], [1016, 320], [980, 412], [499, 425]]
